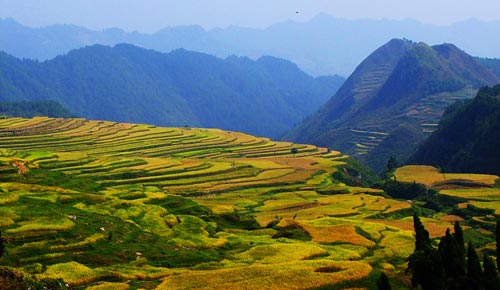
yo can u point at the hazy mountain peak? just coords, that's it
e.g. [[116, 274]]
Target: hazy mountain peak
[[9, 21], [275, 61], [182, 29], [446, 49]]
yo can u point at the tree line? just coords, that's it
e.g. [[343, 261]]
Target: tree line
[[451, 265]]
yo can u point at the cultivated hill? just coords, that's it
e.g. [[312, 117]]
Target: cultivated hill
[[139, 205], [125, 83], [395, 98], [468, 136]]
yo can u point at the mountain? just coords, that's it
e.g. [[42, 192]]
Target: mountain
[[401, 89], [29, 109], [468, 136], [322, 45], [130, 84], [492, 63]]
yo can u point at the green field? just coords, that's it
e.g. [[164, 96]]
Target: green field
[[106, 205]]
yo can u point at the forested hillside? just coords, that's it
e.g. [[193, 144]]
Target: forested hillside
[[29, 109], [492, 63], [468, 137], [130, 84]]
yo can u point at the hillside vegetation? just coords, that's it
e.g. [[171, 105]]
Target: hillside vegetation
[[125, 83], [393, 101], [29, 109], [468, 136], [492, 63]]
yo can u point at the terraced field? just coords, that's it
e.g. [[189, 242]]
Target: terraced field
[[367, 140], [105, 205], [476, 195], [424, 115]]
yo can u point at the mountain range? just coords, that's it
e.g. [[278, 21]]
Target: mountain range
[[394, 100], [126, 83], [324, 45]]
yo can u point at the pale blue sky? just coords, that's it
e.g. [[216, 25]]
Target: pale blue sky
[[152, 15]]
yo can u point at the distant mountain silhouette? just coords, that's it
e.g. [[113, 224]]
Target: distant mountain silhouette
[[320, 46], [401, 89], [130, 84], [468, 137]]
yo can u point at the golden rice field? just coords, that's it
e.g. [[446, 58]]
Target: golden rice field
[[106, 205], [429, 175]]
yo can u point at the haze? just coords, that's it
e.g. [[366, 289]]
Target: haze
[[152, 15]]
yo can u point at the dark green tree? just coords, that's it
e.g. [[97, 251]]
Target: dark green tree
[[383, 282], [294, 151], [458, 234], [2, 246], [425, 263], [454, 264], [422, 240], [491, 279], [426, 267], [392, 164], [474, 273], [497, 232]]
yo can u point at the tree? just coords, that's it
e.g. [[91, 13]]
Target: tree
[[425, 263], [497, 231], [491, 280], [392, 164], [383, 282], [458, 234], [2, 246], [294, 151], [422, 240], [427, 269], [474, 272], [454, 264]]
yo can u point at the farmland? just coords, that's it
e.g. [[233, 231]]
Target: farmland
[[107, 205]]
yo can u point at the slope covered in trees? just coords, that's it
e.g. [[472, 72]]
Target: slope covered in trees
[[399, 91], [492, 63], [29, 109], [468, 136], [130, 84]]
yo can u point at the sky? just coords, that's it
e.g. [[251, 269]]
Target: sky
[[153, 15]]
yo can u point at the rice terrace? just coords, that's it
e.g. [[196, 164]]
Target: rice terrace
[[105, 205]]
